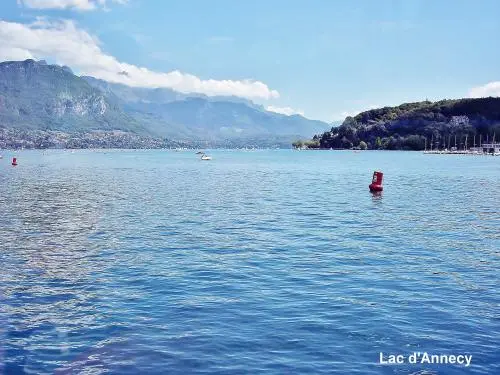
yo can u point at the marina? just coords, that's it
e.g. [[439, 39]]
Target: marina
[[483, 149]]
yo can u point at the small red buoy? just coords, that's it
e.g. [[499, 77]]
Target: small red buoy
[[376, 184], [14, 161]]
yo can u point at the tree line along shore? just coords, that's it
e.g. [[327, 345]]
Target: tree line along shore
[[459, 123]]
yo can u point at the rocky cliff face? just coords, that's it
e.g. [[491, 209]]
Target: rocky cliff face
[[34, 95]]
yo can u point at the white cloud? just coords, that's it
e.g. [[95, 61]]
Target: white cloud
[[489, 89], [80, 5], [285, 110], [16, 54], [65, 43]]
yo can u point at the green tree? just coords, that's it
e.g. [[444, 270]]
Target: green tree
[[414, 142], [349, 121]]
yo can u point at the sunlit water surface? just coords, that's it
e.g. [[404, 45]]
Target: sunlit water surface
[[264, 262]]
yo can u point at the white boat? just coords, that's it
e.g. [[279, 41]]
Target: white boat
[[206, 157]]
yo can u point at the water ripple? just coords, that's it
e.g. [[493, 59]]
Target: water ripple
[[267, 262]]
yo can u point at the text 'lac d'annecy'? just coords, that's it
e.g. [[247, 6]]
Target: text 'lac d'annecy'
[[426, 358]]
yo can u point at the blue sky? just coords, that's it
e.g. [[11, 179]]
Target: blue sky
[[324, 58]]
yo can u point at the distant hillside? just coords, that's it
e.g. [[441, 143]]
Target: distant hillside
[[413, 125], [35, 96], [202, 117], [210, 119]]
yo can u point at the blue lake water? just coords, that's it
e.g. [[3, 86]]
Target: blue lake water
[[264, 262]]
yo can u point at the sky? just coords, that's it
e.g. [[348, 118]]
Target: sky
[[324, 59]]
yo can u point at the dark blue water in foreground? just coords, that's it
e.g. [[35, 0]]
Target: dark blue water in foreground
[[266, 262]]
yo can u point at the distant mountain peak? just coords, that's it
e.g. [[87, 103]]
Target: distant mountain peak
[[41, 96], [35, 95], [67, 69]]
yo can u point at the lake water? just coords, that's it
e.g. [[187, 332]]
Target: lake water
[[264, 262]]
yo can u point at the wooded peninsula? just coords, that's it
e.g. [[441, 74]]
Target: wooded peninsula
[[415, 126]]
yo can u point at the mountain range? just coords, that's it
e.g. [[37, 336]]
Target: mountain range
[[38, 96]]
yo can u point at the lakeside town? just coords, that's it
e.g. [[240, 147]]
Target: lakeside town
[[16, 139]]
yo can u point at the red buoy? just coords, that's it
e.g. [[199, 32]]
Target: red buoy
[[376, 184], [14, 161]]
